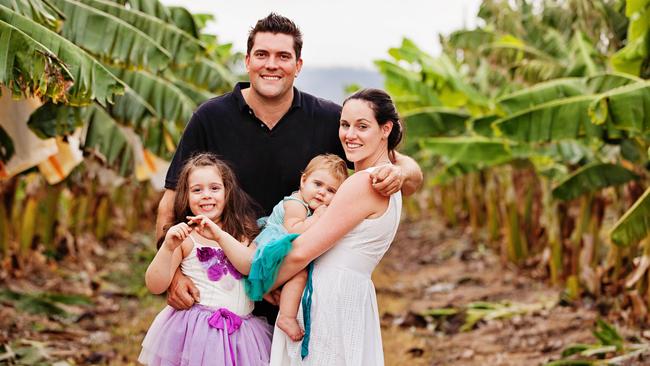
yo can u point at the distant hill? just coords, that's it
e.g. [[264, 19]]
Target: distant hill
[[329, 82]]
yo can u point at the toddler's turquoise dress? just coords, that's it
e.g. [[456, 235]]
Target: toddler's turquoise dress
[[273, 244]]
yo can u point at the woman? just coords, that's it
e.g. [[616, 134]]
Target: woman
[[347, 243]]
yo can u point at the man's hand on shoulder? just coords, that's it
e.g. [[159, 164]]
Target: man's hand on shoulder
[[387, 179]]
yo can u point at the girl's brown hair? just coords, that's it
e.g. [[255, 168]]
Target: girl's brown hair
[[238, 217]]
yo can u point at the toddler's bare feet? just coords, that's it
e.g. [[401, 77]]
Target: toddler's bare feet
[[290, 326]]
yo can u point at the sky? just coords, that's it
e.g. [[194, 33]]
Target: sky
[[349, 33]]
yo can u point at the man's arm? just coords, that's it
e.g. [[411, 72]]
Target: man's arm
[[165, 216], [411, 172], [405, 175]]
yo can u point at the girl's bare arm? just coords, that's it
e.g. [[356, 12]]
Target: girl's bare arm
[[163, 266]]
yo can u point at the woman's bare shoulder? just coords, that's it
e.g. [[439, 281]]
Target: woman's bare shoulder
[[359, 184]]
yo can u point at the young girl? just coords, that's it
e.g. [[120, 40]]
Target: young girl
[[295, 214], [219, 329]]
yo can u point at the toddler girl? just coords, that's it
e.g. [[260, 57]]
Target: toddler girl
[[219, 329], [294, 214]]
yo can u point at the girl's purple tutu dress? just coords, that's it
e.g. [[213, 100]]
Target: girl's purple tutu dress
[[220, 330]]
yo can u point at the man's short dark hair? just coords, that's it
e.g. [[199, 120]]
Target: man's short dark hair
[[275, 23]]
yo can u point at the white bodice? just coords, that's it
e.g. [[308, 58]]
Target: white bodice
[[362, 248], [226, 292]]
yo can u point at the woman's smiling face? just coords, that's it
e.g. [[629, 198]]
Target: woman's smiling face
[[360, 133]]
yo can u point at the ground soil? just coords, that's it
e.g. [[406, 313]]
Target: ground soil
[[428, 267]]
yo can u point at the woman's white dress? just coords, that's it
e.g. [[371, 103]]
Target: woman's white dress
[[345, 328]]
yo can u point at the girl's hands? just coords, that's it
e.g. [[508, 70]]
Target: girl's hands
[[205, 227], [176, 235]]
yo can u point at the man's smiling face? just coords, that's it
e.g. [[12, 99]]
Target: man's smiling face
[[272, 65]]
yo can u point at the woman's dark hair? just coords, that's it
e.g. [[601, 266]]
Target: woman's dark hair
[[275, 23], [384, 109], [238, 217]]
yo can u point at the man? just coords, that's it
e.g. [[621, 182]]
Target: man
[[267, 130]]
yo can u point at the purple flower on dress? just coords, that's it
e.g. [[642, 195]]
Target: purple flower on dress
[[215, 262]]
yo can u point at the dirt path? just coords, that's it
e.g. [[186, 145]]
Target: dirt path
[[430, 266]]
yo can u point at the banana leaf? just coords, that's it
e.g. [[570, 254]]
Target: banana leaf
[[104, 136], [604, 82], [401, 82], [169, 102], [131, 109], [152, 7], [40, 11], [184, 20], [626, 107], [29, 68], [196, 94], [541, 93], [551, 121], [584, 57], [482, 126], [592, 178], [477, 151], [430, 122], [206, 74], [108, 37], [51, 120], [91, 80], [634, 225], [178, 43], [200, 21], [471, 39], [441, 74], [448, 173], [630, 58]]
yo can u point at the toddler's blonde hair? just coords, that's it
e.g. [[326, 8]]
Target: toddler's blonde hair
[[330, 162]]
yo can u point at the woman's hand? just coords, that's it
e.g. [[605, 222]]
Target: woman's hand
[[206, 227], [176, 235]]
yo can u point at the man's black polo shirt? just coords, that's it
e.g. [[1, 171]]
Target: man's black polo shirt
[[268, 163]]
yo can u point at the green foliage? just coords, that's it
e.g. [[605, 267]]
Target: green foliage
[[92, 81], [106, 138], [592, 178], [108, 37], [43, 303], [29, 68], [630, 59], [182, 45], [634, 225], [51, 120]]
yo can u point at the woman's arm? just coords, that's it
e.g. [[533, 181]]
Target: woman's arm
[[355, 201]]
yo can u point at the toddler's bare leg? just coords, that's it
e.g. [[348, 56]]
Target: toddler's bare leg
[[289, 304]]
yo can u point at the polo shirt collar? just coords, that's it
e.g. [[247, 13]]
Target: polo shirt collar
[[243, 106]]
